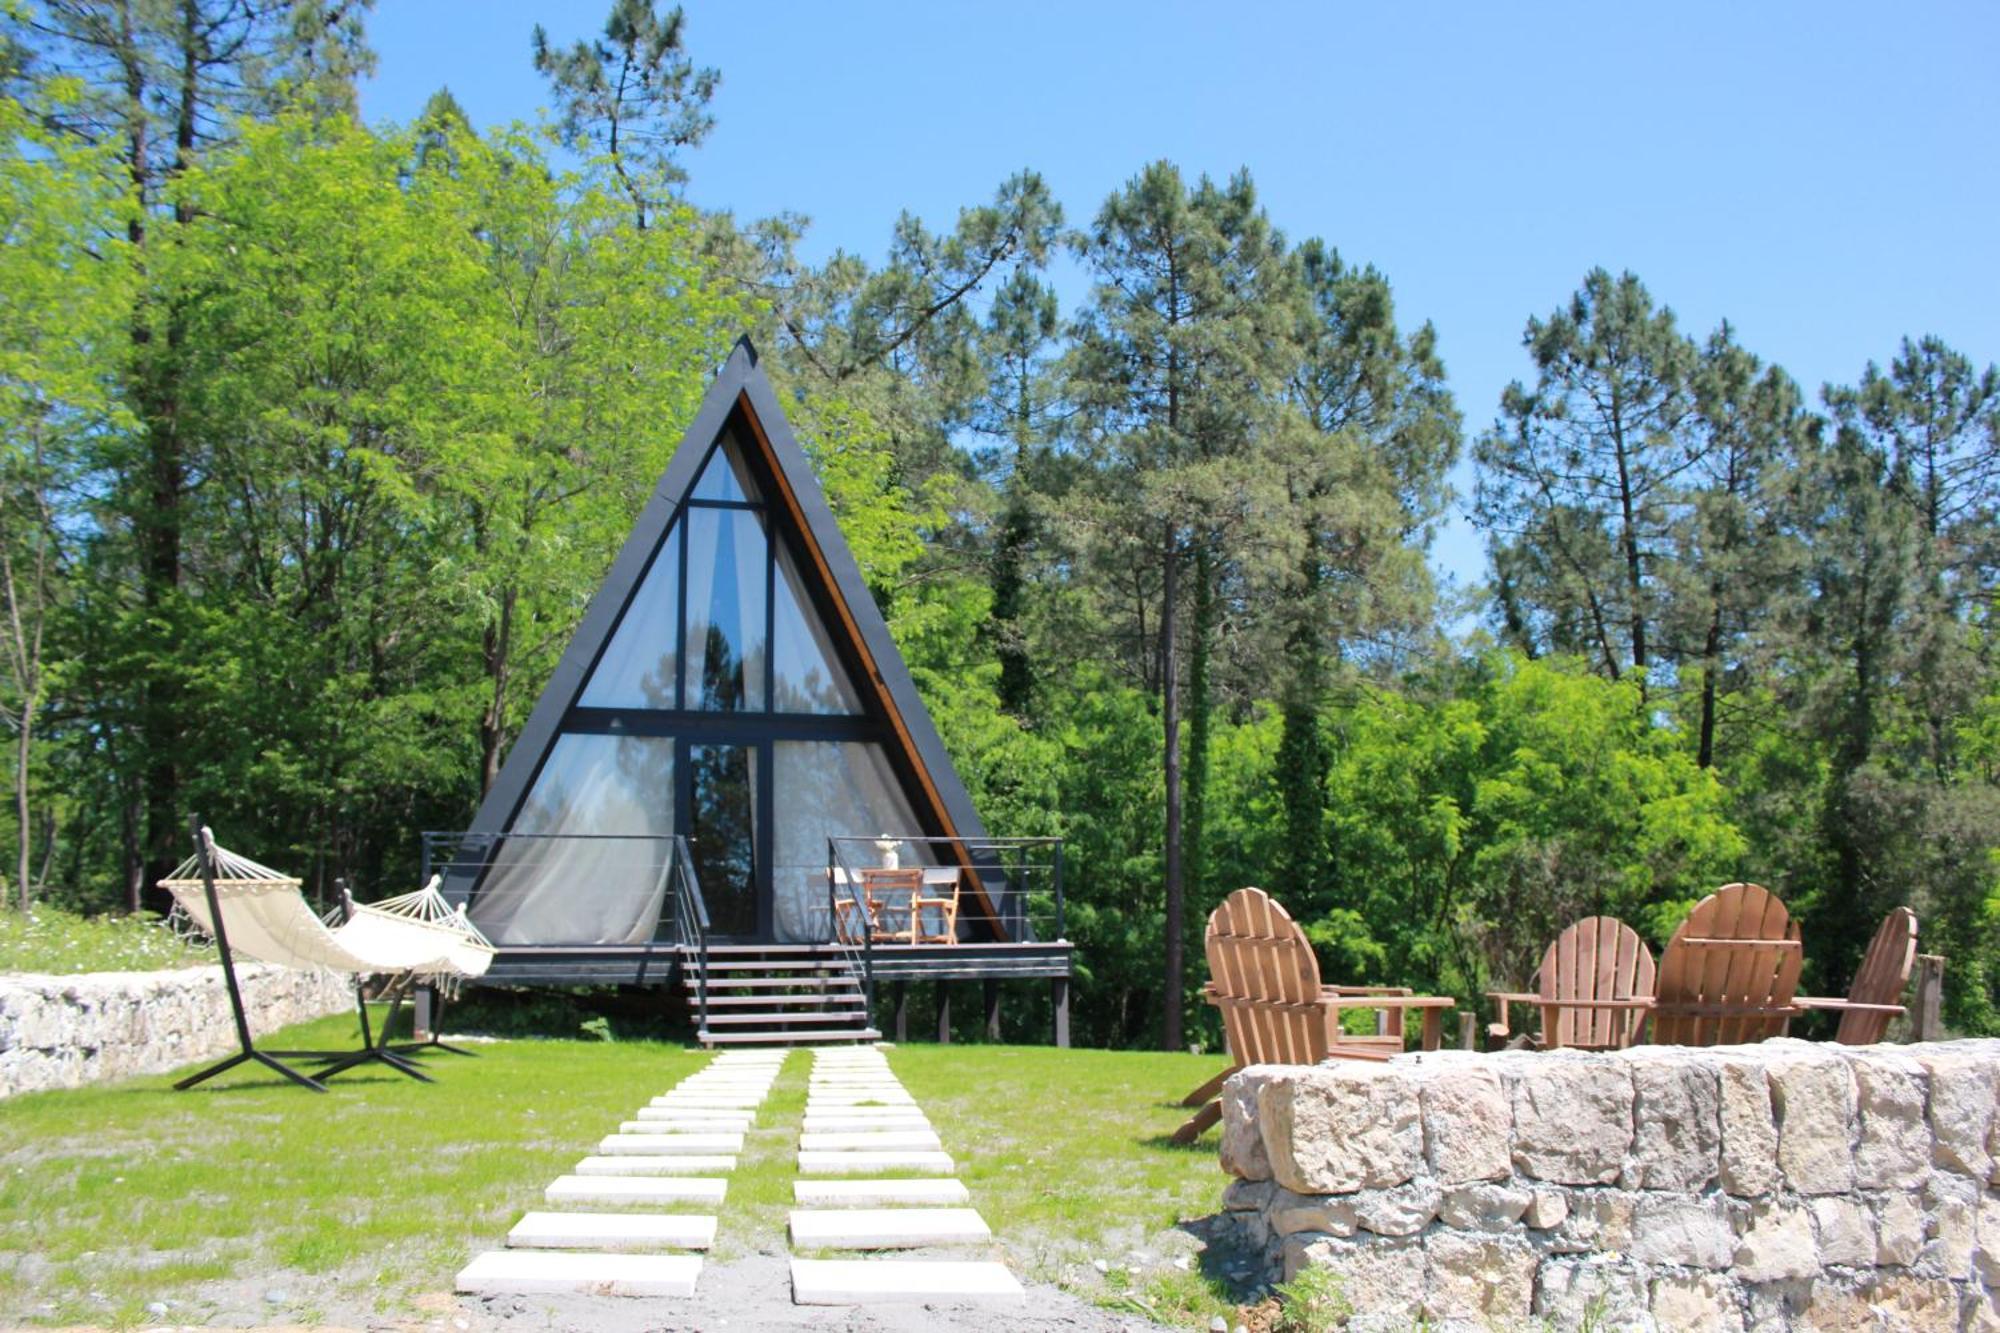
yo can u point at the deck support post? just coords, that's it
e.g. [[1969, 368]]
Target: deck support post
[[901, 1003], [1925, 1024], [944, 1013], [992, 989], [423, 1007], [1059, 996]]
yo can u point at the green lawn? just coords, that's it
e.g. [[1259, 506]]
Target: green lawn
[[114, 1196]]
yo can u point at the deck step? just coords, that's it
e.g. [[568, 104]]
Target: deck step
[[782, 997], [781, 1016], [878, 1193], [886, 1228], [801, 983], [612, 1231], [535, 1272], [824, 963], [712, 1038], [910, 1281]]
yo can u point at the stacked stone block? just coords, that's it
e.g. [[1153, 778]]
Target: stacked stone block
[[1783, 1185]]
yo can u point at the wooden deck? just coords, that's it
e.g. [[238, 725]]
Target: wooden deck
[[657, 964]]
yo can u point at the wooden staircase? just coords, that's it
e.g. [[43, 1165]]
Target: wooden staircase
[[778, 995]]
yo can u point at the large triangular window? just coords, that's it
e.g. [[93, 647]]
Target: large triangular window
[[640, 667], [733, 686], [806, 675]]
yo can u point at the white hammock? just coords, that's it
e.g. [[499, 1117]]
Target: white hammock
[[417, 935]]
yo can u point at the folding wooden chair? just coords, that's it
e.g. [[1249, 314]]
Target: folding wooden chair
[[1265, 980], [938, 904], [891, 896], [1730, 971], [1594, 987], [1876, 995]]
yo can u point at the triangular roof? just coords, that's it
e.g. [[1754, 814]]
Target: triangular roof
[[742, 393]]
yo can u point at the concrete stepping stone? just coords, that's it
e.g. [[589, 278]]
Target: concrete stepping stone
[[864, 1112], [877, 1193], [723, 1085], [535, 1272], [827, 1123], [821, 1163], [734, 1119], [612, 1231], [651, 1164], [706, 1102], [682, 1125], [903, 1281], [878, 1140], [852, 1098], [660, 1144], [886, 1228], [635, 1189]]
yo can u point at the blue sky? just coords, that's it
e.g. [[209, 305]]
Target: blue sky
[[1825, 176]]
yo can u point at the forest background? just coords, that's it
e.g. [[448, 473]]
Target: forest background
[[316, 437]]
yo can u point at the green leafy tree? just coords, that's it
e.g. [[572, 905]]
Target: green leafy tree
[[1178, 359], [1579, 479], [633, 96], [160, 85], [1364, 470], [66, 286]]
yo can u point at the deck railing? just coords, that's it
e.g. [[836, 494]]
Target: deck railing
[[1021, 879], [658, 865]]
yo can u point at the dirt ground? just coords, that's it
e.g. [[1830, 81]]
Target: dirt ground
[[748, 1294]]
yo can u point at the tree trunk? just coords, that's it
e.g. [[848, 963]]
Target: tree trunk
[[1200, 708], [23, 745], [496, 645], [1711, 667], [1171, 1034]]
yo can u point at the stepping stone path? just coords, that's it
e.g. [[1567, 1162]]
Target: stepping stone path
[[861, 1121], [651, 1162]]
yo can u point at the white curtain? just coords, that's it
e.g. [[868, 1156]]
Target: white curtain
[[805, 672], [824, 789], [640, 664], [585, 890]]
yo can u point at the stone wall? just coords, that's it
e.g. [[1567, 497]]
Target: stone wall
[[65, 1031], [1787, 1185]]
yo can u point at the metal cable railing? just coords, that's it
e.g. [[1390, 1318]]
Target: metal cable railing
[[622, 888]]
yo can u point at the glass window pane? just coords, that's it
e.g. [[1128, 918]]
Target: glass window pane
[[725, 610], [829, 789], [597, 890], [640, 664], [806, 676], [722, 834], [725, 477]]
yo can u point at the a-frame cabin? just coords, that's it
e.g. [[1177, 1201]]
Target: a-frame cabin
[[733, 685]]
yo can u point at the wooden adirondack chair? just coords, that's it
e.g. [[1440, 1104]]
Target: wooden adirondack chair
[[1265, 980], [1594, 987], [1730, 971], [1877, 993]]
